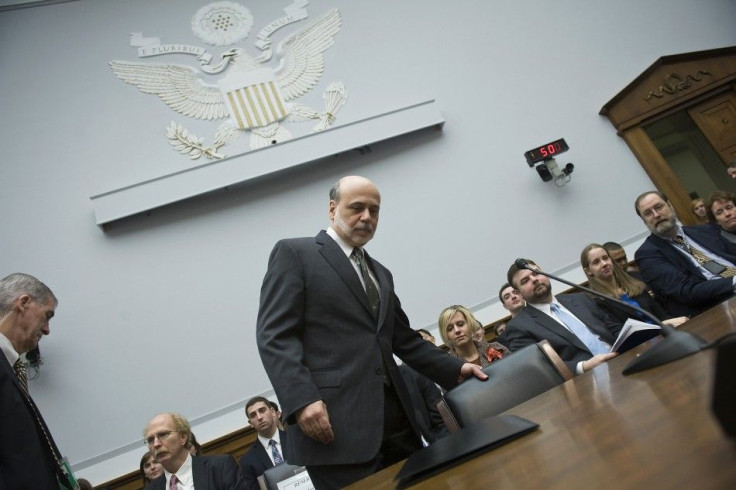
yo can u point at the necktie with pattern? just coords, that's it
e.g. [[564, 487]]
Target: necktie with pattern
[[277, 459], [702, 258], [20, 371], [581, 331], [370, 287], [172, 483]]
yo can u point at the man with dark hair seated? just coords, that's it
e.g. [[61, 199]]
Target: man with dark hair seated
[[721, 209], [689, 268], [573, 324], [266, 452]]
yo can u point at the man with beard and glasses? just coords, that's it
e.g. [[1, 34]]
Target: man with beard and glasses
[[329, 324], [580, 332], [689, 268]]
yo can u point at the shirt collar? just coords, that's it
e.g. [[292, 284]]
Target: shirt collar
[[183, 474], [276, 437], [345, 246], [7, 347]]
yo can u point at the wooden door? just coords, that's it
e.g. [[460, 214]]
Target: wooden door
[[716, 119]]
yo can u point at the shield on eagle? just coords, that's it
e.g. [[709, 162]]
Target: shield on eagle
[[253, 98]]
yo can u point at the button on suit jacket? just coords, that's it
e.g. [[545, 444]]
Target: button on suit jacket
[[318, 340]]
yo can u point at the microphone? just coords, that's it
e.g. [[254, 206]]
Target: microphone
[[676, 344]]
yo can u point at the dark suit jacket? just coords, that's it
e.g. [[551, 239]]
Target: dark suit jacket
[[424, 398], [25, 458], [318, 340], [255, 461], [530, 326], [675, 280], [218, 472]]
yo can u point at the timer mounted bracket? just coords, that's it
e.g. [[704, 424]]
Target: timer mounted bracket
[[548, 169]]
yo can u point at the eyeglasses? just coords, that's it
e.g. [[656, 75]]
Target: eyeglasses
[[161, 436]]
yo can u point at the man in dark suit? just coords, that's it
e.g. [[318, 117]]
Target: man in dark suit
[[328, 325], [668, 261], [580, 332], [167, 436], [29, 457], [266, 451]]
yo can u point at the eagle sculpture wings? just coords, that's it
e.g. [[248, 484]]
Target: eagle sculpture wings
[[251, 96]]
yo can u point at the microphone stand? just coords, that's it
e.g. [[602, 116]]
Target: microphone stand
[[675, 344]]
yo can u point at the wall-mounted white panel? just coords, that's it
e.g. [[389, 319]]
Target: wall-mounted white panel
[[143, 196]]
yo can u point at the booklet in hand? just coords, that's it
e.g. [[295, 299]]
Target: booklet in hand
[[634, 333]]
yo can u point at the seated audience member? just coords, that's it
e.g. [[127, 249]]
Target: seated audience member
[[276, 409], [573, 324], [731, 169], [618, 254], [479, 334], [267, 451], [697, 206], [513, 303], [607, 277], [194, 448], [424, 396], [427, 336], [150, 468], [511, 299], [689, 268], [167, 435], [457, 325], [721, 208]]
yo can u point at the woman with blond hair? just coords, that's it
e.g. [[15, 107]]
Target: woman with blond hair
[[607, 277], [457, 326]]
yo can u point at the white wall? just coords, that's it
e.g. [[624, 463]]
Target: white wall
[[158, 313]]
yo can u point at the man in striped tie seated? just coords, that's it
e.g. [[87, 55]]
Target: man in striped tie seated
[[266, 452], [580, 332], [689, 268], [167, 436]]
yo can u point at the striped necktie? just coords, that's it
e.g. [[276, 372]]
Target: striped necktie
[[20, 371], [580, 330], [370, 287], [702, 258]]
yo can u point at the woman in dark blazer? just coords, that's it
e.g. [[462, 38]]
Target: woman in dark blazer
[[607, 277]]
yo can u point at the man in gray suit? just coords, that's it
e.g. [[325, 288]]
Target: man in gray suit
[[328, 326], [580, 332]]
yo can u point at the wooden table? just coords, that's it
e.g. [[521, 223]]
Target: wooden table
[[650, 430]]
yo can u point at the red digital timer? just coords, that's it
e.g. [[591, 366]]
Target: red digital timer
[[546, 151]]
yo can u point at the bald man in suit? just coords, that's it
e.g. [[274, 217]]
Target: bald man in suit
[[328, 326]]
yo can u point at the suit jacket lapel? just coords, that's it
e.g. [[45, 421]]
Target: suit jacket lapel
[[674, 256], [334, 255], [383, 285], [200, 473], [262, 455], [552, 325]]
